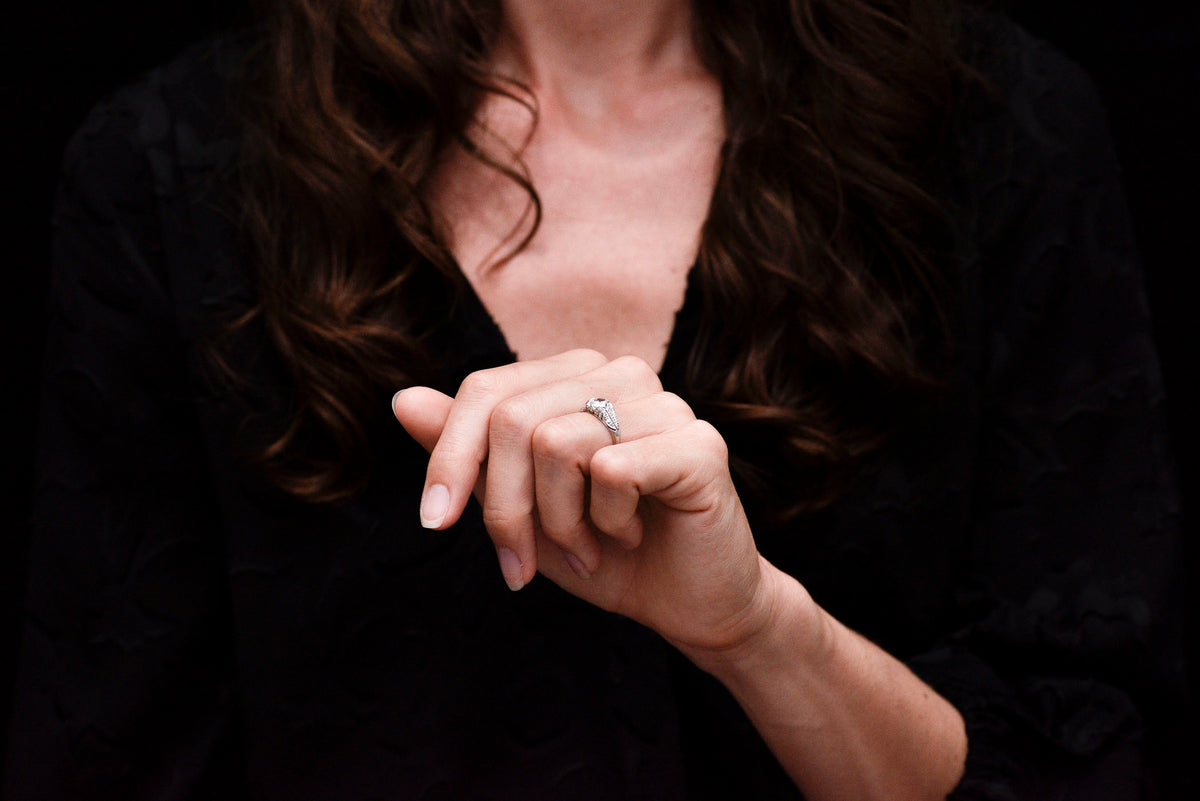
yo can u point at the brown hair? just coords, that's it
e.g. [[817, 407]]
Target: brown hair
[[821, 245]]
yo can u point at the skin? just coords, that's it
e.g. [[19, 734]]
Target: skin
[[624, 158], [650, 527]]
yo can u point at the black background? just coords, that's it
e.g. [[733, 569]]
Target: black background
[[58, 59]]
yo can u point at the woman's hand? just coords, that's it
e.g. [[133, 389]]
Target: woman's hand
[[652, 528], [649, 527]]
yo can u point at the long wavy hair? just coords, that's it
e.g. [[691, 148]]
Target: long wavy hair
[[822, 247]]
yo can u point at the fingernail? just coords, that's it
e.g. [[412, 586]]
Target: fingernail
[[394, 400], [510, 566], [434, 505], [578, 566]]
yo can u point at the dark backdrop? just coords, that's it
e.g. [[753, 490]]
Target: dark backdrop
[[58, 59]]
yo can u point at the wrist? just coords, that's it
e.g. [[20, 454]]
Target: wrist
[[782, 624]]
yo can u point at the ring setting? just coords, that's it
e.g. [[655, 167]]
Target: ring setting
[[603, 410]]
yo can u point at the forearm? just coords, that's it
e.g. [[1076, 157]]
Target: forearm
[[845, 719]]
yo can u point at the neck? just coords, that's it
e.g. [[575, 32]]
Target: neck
[[580, 45]]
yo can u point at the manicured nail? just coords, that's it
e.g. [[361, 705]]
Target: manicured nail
[[578, 566], [510, 566], [434, 505], [394, 400]]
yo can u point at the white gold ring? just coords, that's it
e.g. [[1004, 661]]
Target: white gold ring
[[603, 411]]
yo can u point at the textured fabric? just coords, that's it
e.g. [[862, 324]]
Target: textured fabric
[[192, 634]]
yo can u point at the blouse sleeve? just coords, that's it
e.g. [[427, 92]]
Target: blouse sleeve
[[124, 686], [1069, 646]]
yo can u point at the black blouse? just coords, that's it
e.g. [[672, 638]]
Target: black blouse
[[192, 634]]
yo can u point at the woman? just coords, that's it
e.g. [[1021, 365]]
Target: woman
[[931, 419]]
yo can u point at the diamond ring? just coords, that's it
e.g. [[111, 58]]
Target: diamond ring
[[603, 411]]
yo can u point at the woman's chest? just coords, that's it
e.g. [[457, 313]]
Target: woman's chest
[[606, 264], [593, 292]]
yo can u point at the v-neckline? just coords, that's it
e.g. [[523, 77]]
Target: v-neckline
[[476, 341]]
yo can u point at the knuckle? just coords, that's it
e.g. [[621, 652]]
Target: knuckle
[[455, 451], [638, 370], [588, 356], [608, 466], [506, 526], [553, 439], [512, 415], [480, 384], [677, 406], [710, 439]]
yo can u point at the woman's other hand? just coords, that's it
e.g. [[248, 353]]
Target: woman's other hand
[[649, 526]]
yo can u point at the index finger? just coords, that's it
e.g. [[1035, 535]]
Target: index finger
[[462, 448]]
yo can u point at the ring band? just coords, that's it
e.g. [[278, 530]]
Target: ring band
[[603, 411]]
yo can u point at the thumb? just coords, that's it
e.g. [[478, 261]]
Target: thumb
[[423, 412]]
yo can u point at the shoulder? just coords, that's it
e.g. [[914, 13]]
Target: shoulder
[[1034, 169], [1028, 101], [136, 188], [169, 117], [1051, 276]]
